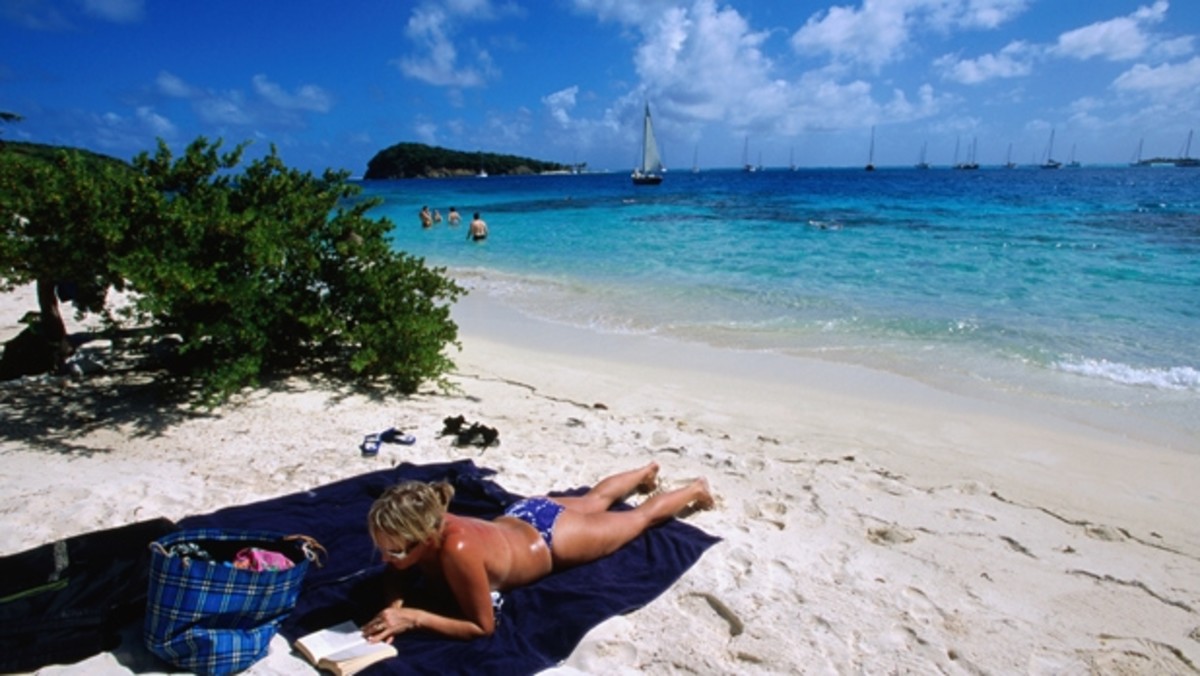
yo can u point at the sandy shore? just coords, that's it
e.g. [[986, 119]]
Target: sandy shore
[[870, 524]]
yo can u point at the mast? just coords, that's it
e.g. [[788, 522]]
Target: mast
[[1050, 162], [871, 152]]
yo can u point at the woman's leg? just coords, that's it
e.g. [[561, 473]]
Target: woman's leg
[[613, 488], [580, 537]]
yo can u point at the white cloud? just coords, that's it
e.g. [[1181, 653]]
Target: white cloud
[[155, 123], [307, 97], [1168, 81], [119, 134], [1175, 47], [1014, 60], [172, 85], [633, 12], [708, 63], [426, 132], [117, 11], [873, 35], [879, 31], [432, 28], [560, 104], [703, 63], [224, 109], [1118, 39], [990, 13]]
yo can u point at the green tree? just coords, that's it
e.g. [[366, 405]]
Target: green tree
[[269, 271], [61, 216]]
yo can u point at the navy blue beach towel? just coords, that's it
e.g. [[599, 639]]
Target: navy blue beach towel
[[539, 625]]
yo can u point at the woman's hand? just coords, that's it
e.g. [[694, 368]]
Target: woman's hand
[[390, 621]]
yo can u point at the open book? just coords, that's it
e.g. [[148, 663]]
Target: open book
[[342, 649]]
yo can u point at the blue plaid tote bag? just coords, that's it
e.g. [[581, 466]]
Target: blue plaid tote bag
[[207, 615]]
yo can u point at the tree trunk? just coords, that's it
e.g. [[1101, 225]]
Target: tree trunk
[[53, 330]]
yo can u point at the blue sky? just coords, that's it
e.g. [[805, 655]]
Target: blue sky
[[330, 84]]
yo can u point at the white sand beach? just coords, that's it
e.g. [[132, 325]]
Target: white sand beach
[[869, 524]]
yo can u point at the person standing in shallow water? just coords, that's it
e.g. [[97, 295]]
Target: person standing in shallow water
[[411, 527], [453, 218], [426, 217], [478, 230]]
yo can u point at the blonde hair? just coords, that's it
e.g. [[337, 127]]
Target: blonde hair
[[412, 511]]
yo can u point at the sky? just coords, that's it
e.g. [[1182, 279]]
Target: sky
[[772, 81]]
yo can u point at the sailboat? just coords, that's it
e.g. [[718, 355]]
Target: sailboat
[[970, 164], [651, 170], [923, 164], [746, 166], [792, 159], [1050, 162], [695, 160], [1186, 160], [1071, 162], [1008, 163], [871, 153]]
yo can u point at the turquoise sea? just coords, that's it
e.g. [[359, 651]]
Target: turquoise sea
[[1077, 289]]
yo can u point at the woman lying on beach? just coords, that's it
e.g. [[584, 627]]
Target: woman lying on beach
[[411, 526]]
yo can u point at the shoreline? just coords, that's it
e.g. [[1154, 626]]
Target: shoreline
[[869, 523], [966, 438], [1146, 413]]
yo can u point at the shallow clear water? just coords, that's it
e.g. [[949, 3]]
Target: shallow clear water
[[1077, 286]]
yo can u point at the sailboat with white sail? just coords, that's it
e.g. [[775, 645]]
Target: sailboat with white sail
[[651, 169]]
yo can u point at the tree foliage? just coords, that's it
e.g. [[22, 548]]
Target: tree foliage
[[417, 160], [257, 272]]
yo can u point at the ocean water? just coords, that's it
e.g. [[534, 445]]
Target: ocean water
[[1077, 288]]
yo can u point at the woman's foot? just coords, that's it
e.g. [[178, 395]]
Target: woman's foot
[[649, 482], [704, 500]]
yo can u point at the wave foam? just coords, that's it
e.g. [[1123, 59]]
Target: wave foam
[[1174, 378]]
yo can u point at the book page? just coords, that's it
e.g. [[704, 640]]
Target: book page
[[362, 650], [322, 643]]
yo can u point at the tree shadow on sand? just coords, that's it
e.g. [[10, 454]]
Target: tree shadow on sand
[[133, 393]]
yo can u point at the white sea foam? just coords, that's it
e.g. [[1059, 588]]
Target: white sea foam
[[1174, 378]]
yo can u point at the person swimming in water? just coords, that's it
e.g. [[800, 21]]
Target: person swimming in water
[[478, 231], [411, 527]]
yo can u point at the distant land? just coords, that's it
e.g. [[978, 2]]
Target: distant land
[[417, 160], [47, 153]]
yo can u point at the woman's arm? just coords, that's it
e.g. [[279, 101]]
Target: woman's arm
[[466, 575]]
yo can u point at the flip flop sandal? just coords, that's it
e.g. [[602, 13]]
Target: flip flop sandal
[[394, 436], [490, 436], [453, 425], [370, 446], [468, 436]]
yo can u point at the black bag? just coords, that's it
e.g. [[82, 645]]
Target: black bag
[[66, 601]]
